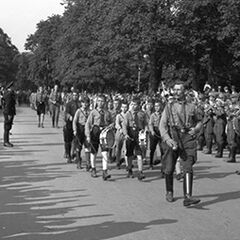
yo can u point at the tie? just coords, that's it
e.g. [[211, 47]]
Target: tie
[[135, 119], [183, 113], [102, 118]]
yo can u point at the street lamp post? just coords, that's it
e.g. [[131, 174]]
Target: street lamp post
[[139, 78], [145, 57]]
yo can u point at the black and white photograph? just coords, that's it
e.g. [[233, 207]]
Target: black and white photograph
[[119, 120]]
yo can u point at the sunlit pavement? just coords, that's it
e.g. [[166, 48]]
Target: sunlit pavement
[[43, 197]]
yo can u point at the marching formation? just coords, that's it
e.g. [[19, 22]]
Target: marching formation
[[124, 126]]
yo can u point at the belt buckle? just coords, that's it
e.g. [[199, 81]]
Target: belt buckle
[[183, 130]]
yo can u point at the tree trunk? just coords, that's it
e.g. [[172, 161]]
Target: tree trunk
[[155, 73]]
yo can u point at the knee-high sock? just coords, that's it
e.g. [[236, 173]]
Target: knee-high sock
[[140, 163], [105, 160], [93, 160], [178, 166]]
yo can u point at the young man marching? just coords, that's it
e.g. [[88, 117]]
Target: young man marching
[[79, 121], [98, 119], [134, 122], [178, 127]]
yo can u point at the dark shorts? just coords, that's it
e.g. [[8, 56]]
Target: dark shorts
[[155, 139], [80, 138], [132, 145], [41, 108], [68, 132], [95, 141]]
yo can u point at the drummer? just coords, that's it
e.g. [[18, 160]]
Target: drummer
[[78, 126], [133, 123], [119, 137], [98, 119]]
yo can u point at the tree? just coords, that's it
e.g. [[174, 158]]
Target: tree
[[42, 68], [8, 53]]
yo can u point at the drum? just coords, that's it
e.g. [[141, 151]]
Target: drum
[[142, 138], [107, 138]]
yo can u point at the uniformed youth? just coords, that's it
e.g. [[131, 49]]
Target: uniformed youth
[[119, 137], [78, 124], [41, 99], [155, 137], [233, 128], [98, 119], [134, 122], [70, 111], [55, 103]]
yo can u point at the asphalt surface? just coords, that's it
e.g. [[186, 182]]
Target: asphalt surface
[[44, 198]]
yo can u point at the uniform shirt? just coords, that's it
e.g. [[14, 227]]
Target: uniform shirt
[[55, 97], [40, 97], [148, 114], [154, 121], [220, 111], [233, 110], [135, 120], [119, 121], [80, 117], [114, 113], [71, 109], [179, 115], [101, 118]]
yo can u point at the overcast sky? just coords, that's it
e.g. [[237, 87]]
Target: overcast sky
[[18, 18]]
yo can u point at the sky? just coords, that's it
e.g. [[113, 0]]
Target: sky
[[18, 18]]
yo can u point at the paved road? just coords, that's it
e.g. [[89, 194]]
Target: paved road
[[42, 197]]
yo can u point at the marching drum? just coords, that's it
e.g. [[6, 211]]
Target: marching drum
[[142, 138], [107, 138]]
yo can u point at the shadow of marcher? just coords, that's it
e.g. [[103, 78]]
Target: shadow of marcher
[[218, 197]]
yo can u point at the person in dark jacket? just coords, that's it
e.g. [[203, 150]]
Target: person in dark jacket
[[9, 111], [70, 111]]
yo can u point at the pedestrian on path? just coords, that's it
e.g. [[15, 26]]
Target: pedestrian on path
[[9, 111]]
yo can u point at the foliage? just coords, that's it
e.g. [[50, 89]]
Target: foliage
[[105, 44], [8, 65]]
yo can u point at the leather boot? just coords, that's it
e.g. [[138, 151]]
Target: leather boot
[[187, 191], [67, 146], [169, 187], [106, 176], [219, 151], [130, 173], [94, 173], [232, 158], [78, 160], [200, 143], [209, 148], [88, 163], [141, 176]]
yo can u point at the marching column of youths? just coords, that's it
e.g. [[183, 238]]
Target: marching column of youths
[[179, 122]]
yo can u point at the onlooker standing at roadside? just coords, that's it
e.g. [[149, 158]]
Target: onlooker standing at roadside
[[9, 110]]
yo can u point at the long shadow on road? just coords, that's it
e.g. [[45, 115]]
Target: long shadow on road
[[217, 198], [30, 210]]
